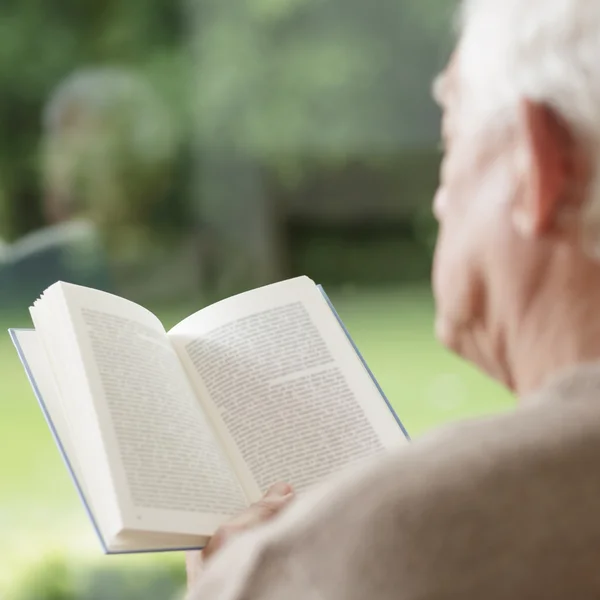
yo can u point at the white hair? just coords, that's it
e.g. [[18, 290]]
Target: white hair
[[543, 50]]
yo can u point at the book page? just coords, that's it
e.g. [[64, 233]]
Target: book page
[[292, 395], [167, 466]]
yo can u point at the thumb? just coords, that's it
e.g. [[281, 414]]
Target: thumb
[[279, 490]]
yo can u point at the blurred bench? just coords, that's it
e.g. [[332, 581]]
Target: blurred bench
[[70, 252]]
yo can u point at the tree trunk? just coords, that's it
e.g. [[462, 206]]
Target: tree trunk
[[243, 244]]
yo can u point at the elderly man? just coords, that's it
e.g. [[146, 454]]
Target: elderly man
[[504, 508]]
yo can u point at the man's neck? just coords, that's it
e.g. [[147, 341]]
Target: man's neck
[[553, 341]]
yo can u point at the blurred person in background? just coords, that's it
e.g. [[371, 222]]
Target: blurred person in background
[[505, 507], [109, 148]]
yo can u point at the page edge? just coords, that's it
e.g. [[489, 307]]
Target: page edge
[[364, 363]]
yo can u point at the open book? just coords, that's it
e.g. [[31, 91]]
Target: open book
[[169, 434]]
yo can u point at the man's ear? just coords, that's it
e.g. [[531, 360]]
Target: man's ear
[[554, 174]]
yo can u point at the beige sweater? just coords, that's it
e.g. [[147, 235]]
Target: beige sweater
[[506, 508]]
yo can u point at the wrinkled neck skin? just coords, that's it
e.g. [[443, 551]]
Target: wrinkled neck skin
[[558, 326]]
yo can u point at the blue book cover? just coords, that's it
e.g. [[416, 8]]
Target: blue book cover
[[19, 335], [14, 336]]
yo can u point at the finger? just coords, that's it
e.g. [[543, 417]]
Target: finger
[[265, 509], [219, 539], [276, 498], [279, 489], [193, 566]]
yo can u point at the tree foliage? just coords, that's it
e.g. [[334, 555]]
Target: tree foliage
[[283, 81], [319, 78]]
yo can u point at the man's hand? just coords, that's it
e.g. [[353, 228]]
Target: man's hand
[[276, 498]]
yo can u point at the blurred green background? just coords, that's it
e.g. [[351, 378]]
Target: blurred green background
[[177, 152]]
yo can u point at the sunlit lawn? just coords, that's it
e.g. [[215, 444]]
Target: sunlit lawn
[[39, 508]]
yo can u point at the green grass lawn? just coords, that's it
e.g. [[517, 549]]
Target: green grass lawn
[[39, 509]]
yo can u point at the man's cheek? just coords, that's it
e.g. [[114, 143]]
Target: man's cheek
[[452, 264], [440, 202], [440, 267], [447, 297]]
